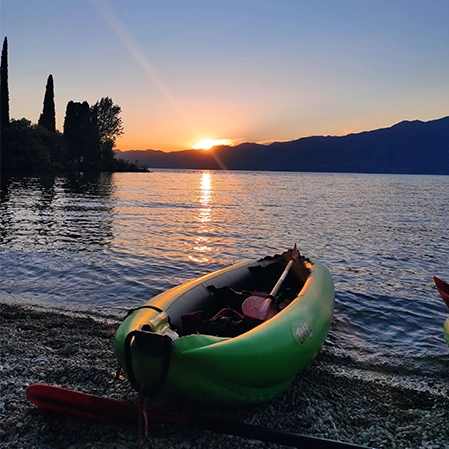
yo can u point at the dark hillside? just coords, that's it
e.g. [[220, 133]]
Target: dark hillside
[[413, 147]]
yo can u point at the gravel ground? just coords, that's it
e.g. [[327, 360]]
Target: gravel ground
[[326, 400]]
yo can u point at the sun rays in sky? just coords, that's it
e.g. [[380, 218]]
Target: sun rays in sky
[[122, 33], [198, 75], [114, 22]]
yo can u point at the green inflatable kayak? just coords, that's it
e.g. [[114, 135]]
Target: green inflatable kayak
[[229, 337]]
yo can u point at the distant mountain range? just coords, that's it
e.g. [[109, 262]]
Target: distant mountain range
[[412, 147]]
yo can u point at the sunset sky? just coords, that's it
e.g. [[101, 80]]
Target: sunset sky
[[232, 71]]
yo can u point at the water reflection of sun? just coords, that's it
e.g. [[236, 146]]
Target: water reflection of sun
[[202, 241], [206, 193]]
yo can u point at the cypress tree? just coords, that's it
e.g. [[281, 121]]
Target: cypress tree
[[4, 91], [71, 133], [81, 135], [48, 116]]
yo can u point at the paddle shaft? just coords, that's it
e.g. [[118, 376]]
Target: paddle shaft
[[268, 435], [75, 403], [263, 308], [281, 280]]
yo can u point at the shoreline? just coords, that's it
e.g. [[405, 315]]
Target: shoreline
[[75, 352]]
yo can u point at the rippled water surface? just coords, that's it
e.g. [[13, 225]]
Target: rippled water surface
[[106, 243]]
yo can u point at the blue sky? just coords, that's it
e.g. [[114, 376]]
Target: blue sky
[[245, 70]]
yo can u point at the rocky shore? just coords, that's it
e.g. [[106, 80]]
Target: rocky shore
[[325, 401]]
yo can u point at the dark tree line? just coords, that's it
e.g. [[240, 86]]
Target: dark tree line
[[86, 144]]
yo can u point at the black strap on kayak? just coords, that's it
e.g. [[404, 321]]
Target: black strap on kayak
[[143, 307], [153, 345]]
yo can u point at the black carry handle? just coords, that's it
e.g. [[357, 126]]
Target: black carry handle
[[153, 345]]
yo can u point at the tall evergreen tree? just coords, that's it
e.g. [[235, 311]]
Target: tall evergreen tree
[[4, 90], [48, 116], [81, 135]]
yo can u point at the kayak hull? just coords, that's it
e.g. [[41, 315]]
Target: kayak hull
[[249, 368]]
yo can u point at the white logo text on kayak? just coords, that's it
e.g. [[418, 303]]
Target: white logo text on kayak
[[302, 332]]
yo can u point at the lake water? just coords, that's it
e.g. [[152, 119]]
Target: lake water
[[104, 244]]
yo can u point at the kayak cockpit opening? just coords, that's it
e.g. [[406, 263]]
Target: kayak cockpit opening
[[234, 302], [226, 318], [224, 313]]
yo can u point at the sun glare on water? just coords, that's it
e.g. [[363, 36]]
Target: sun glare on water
[[207, 144]]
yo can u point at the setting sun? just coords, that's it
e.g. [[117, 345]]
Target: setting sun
[[207, 144]]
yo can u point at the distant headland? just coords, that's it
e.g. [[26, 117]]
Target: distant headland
[[408, 147]]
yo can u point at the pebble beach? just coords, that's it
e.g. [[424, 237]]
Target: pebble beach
[[327, 400]]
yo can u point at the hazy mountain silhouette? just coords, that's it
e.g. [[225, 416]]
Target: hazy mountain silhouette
[[413, 147]]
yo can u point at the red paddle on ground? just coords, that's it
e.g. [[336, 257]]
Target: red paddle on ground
[[89, 406], [262, 307], [443, 289]]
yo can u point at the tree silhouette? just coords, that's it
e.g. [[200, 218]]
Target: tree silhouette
[[24, 149], [4, 90], [110, 126], [48, 116], [87, 143], [78, 134]]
